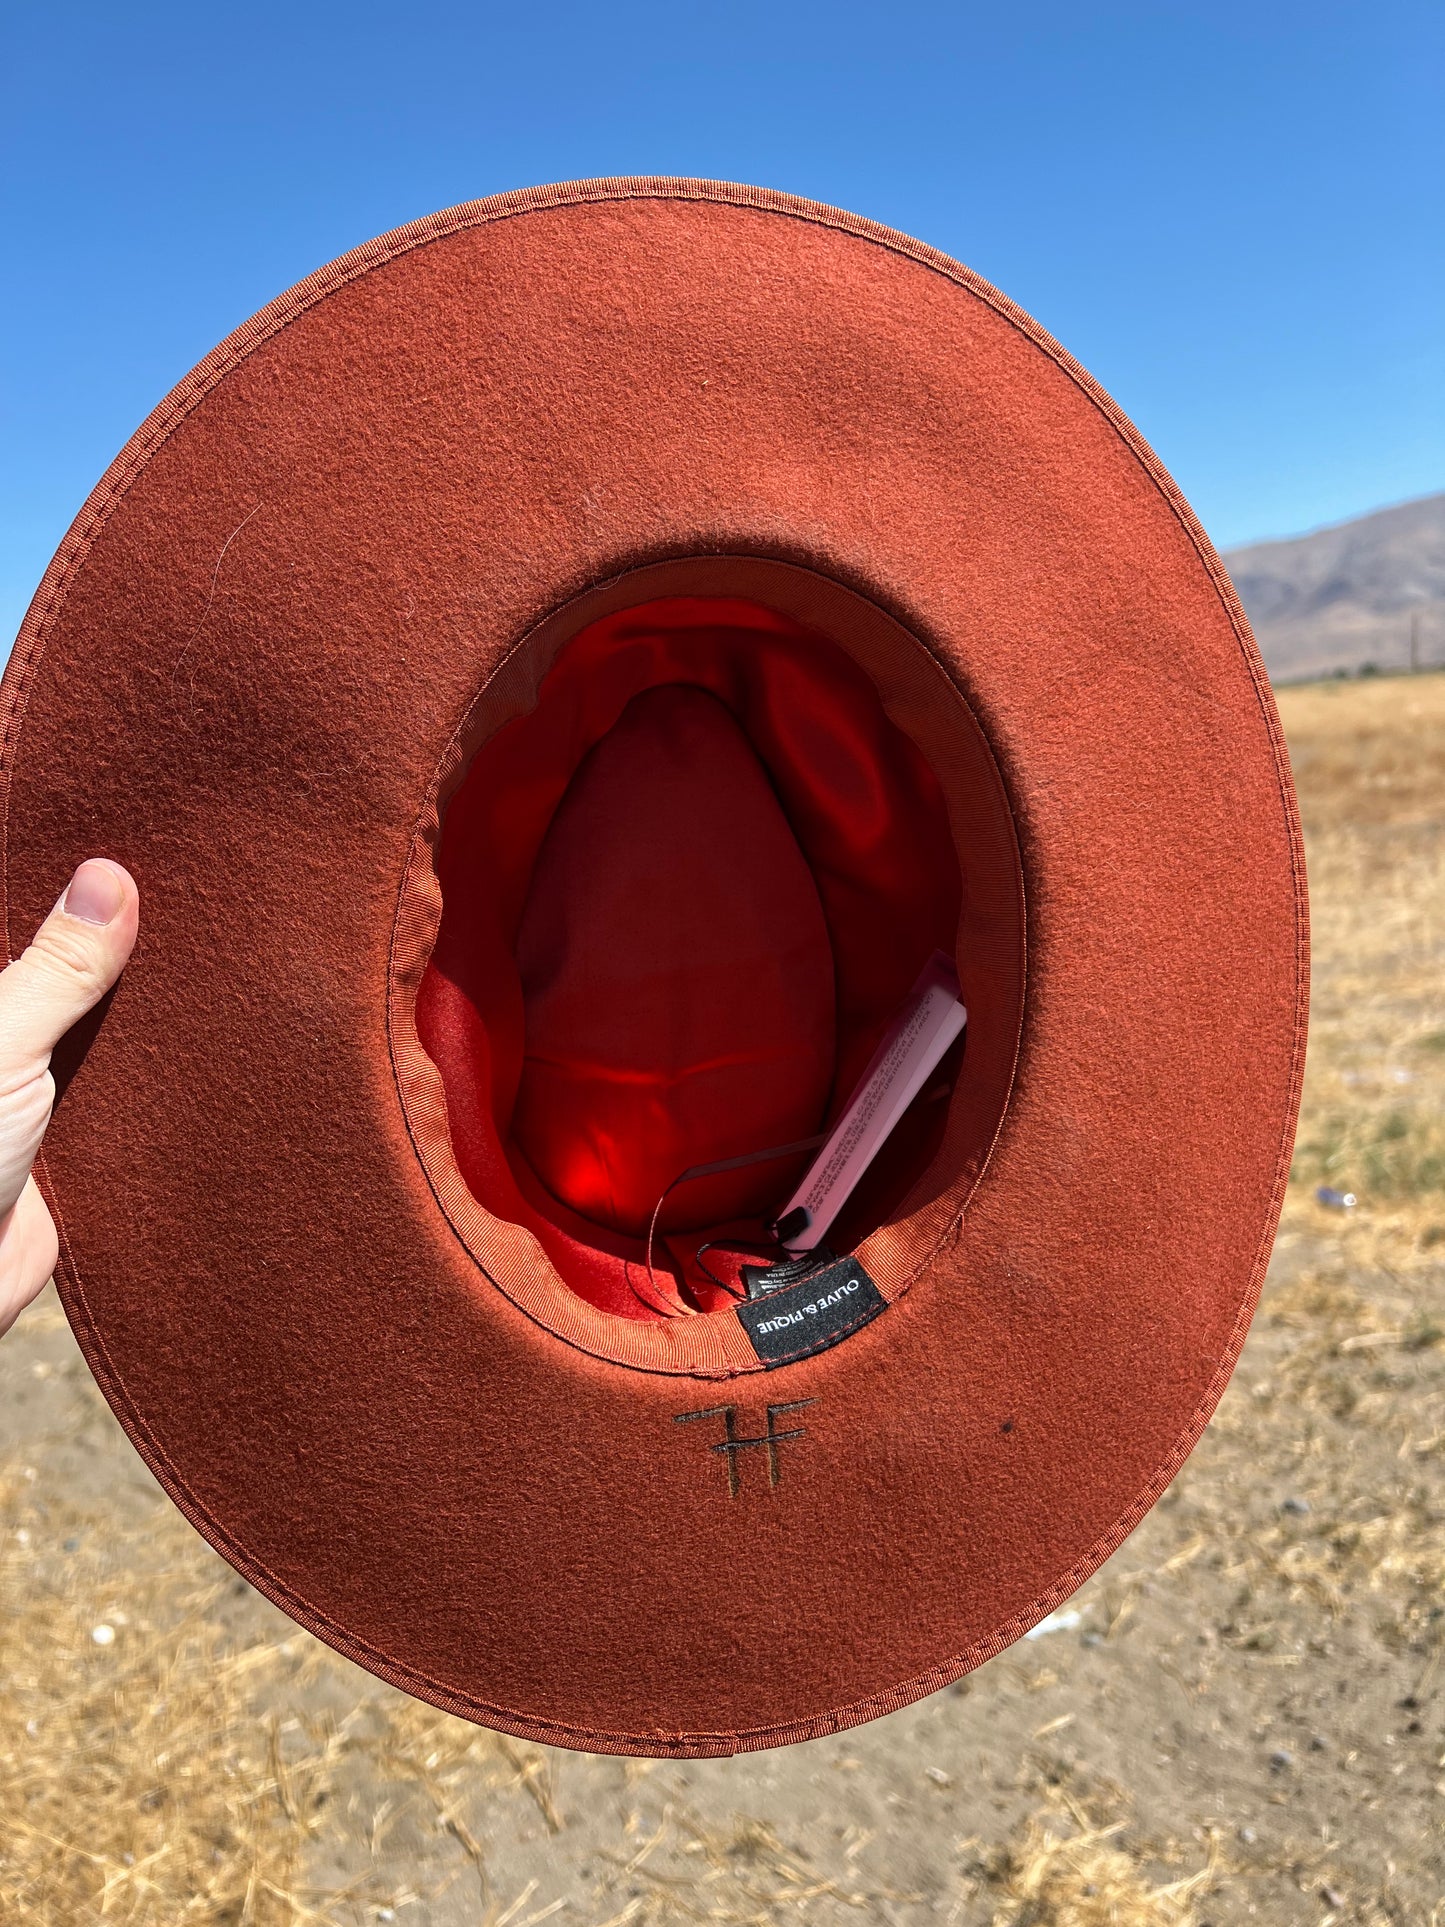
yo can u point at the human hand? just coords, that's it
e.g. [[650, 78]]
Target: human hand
[[75, 957]]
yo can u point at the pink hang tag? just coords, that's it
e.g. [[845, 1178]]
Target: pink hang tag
[[915, 1043]]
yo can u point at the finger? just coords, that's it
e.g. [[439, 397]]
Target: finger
[[24, 1113], [28, 1250], [74, 958]]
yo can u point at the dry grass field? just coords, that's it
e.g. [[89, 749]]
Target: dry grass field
[[1246, 1720]]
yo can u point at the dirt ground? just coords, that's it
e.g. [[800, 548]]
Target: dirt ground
[[1241, 1717]]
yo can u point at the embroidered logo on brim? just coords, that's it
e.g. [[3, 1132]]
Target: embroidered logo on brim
[[809, 1317]]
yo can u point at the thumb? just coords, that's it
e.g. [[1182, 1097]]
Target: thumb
[[74, 958]]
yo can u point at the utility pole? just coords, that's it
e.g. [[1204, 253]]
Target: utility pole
[[1414, 642]]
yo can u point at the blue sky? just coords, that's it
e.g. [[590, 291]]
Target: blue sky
[[1231, 213]]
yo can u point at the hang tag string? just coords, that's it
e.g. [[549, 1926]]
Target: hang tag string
[[709, 1171]]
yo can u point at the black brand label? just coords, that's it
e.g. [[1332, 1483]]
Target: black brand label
[[809, 1317]]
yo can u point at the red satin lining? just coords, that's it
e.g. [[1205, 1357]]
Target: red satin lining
[[682, 899]]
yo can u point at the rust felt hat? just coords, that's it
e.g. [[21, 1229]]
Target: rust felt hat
[[556, 675]]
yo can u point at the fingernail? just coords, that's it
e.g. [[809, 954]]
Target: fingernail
[[95, 893]]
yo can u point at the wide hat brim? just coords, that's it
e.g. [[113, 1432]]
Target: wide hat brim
[[242, 676]]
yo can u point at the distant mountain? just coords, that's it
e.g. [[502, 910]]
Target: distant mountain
[[1344, 598]]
